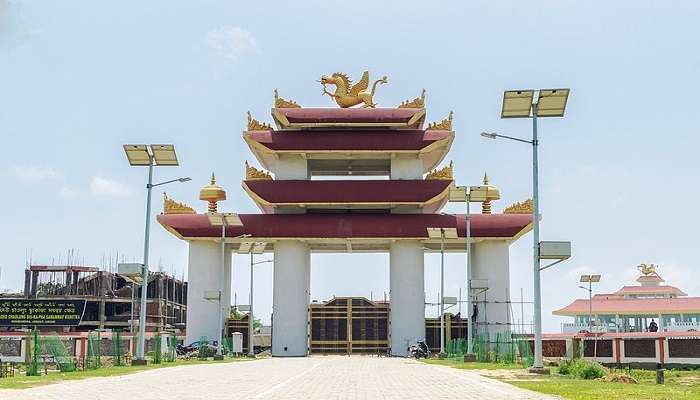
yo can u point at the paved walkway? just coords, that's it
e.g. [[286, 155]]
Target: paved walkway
[[312, 378]]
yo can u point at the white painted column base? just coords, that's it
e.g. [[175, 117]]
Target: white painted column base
[[290, 299], [407, 294], [491, 263], [204, 274]]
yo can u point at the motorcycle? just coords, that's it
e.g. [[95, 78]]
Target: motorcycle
[[419, 349]]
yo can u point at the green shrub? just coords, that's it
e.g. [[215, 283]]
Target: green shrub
[[582, 369]]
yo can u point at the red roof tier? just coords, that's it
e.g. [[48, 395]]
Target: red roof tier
[[430, 195], [347, 226], [431, 146], [632, 306], [661, 289], [297, 118]]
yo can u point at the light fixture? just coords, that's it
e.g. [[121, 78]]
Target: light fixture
[[489, 135]]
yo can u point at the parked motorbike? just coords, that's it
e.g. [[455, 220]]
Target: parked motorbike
[[419, 349]]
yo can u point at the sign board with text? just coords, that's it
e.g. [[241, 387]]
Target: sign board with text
[[40, 312]]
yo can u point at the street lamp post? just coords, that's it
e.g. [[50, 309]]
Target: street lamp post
[[223, 220], [521, 104], [470, 194], [590, 279], [252, 248], [150, 156], [442, 234]]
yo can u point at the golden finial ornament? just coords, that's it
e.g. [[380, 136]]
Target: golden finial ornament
[[486, 205], [255, 125], [346, 94], [418, 102], [212, 193], [523, 207], [254, 174], [171, 206], [444, 125], [444, 173], [282, 103]]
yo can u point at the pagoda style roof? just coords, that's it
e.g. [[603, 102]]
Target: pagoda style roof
[[646, 290], [430, 195], [334, 232], [313, 118], [430, 145], [616, 305]]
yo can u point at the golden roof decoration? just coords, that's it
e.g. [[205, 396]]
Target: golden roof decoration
[[523, 207], [444, 125], [486, 205], [282, 103], [346, 94], [647, 269], [171, 206], [254, 174], [255, 125], [442, 173], [418, 102], [212, 193]]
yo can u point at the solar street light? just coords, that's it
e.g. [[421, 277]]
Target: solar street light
[[141, 155], [590, 279], [252, 248], [527, 104], [442, 234]]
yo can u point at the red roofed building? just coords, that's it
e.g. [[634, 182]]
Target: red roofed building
[[302, 212], [632, 308]]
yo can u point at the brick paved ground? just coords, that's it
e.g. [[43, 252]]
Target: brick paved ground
[[312, 378]]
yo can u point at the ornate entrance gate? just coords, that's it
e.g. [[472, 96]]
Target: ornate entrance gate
[[349, 325]]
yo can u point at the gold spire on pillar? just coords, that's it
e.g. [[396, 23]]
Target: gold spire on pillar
[[486, 206], [212, 193]]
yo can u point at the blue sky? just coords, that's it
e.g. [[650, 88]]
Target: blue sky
[[618, 174]]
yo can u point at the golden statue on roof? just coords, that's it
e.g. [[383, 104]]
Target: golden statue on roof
[[346, 94], [647, 269]]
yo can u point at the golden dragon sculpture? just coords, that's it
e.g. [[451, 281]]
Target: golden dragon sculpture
[[346, 94]]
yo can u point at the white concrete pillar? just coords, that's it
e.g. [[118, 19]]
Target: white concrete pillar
[[203, 274], [407, 295], [406, 168], [290, 299], [490, 262], [228, 264], [291, 167]]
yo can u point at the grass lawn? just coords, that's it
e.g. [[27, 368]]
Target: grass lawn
[[470, 365], [23, 382], [680, 385]]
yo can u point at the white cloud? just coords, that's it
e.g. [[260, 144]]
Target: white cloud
[[68, 193], [34, 174], [232, 42], [101, 186]]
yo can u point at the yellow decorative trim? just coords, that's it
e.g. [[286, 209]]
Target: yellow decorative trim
[[418, 102], [444, 125], [254, 174], [524, 207], [442, 173], [255, 125], [282, 103], [171, 206]]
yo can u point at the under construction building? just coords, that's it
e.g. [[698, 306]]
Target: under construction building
[[109, 297]]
